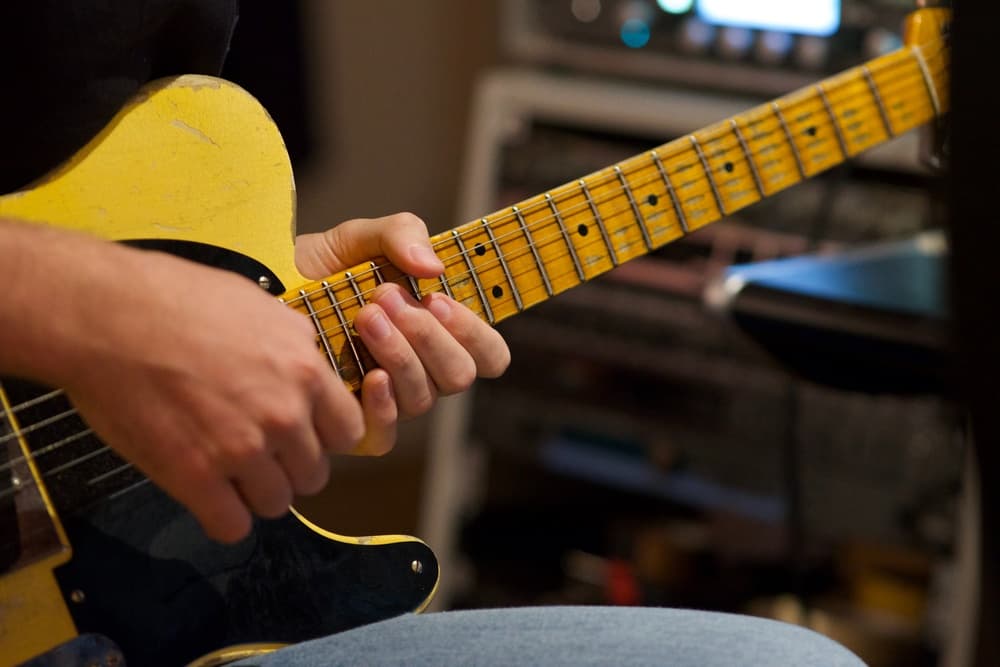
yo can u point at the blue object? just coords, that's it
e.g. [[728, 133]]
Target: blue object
[[904, 277], [568, 637]]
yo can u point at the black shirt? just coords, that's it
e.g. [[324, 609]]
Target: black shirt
[[66, 66]]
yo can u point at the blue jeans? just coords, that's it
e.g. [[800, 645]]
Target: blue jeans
[[570, 636]]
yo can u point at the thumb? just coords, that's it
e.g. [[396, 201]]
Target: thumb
[[401, 238]]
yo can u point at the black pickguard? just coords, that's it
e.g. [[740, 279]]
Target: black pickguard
[[165, 594], [144, 574]]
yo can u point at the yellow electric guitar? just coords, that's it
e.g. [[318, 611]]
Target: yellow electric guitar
[[89, 549]]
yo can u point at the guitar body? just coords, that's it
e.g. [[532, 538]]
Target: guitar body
[[193, 166]]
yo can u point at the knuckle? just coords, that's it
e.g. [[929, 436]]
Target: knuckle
[[307, 370], [316, 478], [241, 448], [407, 220], [397, 359], [460, 379], [421, 403], [418, 331], [282, 419], [275, 504]]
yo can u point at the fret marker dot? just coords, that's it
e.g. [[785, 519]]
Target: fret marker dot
[[480, 249], [653, 200], [812, 131], [729, 166], [497, 291], [582, 229]]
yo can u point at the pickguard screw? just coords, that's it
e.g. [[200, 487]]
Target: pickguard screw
[[417, 567], [77, 596], [264, 282]]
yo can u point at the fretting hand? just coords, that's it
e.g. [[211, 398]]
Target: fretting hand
[[425, 349]]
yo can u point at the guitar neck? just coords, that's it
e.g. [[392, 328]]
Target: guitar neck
[[517, 257]]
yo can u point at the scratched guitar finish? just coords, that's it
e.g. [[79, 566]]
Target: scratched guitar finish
[[90, 546]]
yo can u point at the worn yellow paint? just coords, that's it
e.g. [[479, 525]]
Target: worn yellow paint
[[33, 616], [196, 158], [192, 158]]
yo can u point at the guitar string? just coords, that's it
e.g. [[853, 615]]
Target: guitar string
[[127, 466], [554, 238], [55, 446], [679, 146], [723, 146]]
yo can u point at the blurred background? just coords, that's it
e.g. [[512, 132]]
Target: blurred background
[[757, 418]]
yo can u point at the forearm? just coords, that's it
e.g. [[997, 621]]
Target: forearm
[[52, 284]]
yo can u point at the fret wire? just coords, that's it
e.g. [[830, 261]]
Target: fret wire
[[746, 152], [475, 276], [878, 100], [792, 145], [600, 222], [565, 234], [928, 79], [708, 173], [833, 119], [779, 116], [374, 268], [354, 286], [345, 325], [931, 92], [678, 209], [784, 126], [503, 264], [791, 140], [534, 250], [414, 287], [319, 328], [635, 208], [445, 286]]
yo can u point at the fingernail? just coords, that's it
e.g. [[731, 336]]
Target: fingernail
[[424, 256], [378, 325], [439, 307]]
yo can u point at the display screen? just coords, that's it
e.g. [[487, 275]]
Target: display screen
[[807, 17]]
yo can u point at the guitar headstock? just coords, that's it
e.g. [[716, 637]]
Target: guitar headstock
[[927, 32], [927, 25]]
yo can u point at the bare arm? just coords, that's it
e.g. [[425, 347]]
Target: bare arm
[[225, 408]]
